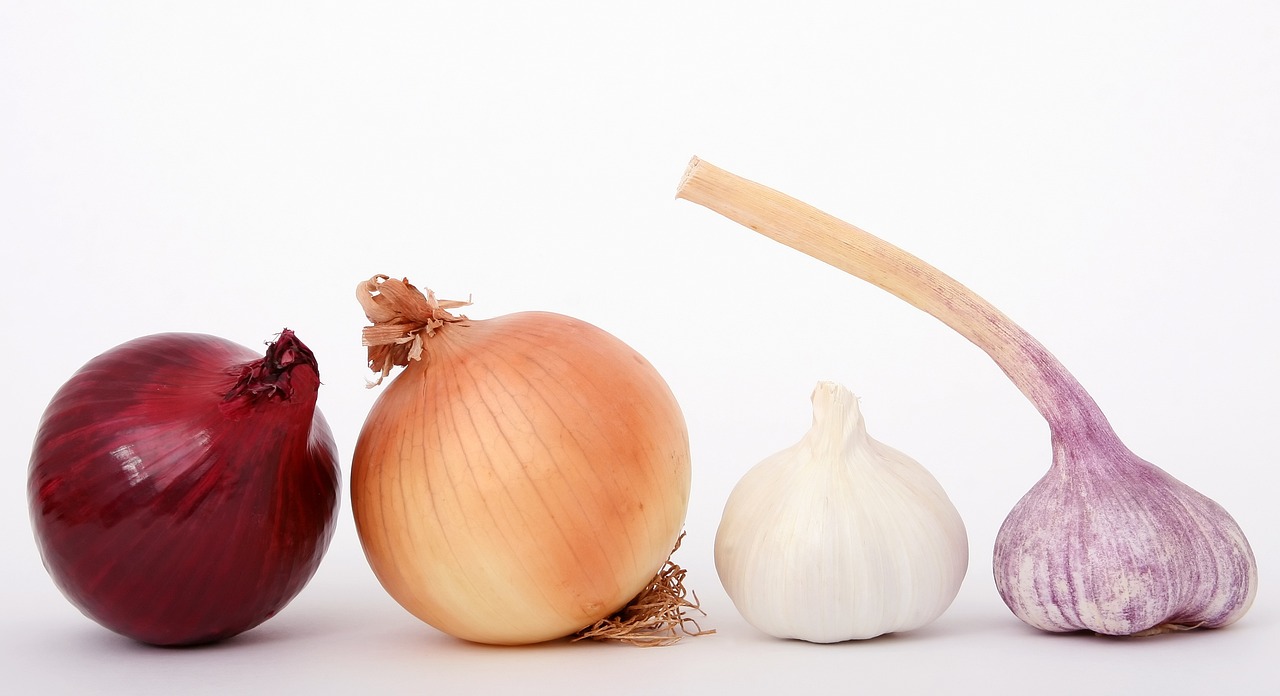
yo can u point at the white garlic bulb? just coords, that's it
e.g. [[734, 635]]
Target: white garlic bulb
[[840, 537]]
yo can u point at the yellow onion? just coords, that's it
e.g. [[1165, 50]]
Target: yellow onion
[[523, 478]]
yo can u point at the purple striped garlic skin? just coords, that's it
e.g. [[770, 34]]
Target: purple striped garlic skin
[[1106, 541], [1109, 543]]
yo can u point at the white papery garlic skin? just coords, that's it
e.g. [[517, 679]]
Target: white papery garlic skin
[[840, 537]]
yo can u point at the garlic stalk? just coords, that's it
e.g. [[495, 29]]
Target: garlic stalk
[[840, 537], [1105, 541]]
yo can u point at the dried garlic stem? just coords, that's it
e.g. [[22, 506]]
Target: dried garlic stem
[[1037, 374]]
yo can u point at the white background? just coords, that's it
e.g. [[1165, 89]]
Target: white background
[[1107, 173]]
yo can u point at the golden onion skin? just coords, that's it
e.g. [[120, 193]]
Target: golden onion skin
[[525, 479]]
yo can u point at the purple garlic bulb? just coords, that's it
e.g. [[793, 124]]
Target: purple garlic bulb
[[1109, 543]]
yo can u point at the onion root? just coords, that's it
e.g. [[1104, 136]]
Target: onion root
[[657, 616]]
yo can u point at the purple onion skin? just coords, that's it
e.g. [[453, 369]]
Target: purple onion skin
[[1109, 543], [183, 489]]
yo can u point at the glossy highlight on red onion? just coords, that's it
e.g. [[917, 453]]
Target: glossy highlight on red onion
[[183, 489]]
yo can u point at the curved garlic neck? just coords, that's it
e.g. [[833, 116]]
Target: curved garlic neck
[[1034, 371], [1059, 397]]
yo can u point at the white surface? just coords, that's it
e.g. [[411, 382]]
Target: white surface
[[1106, 173]]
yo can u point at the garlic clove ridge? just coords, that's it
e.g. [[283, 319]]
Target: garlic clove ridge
[[1109, 543]]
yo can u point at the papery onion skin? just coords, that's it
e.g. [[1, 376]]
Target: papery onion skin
[[524, 479], [182, 488]]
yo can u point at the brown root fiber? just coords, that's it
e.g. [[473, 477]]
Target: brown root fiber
[[657, 616]]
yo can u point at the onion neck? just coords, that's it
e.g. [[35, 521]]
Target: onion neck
[[287, 372], [402, 318], [1055, 393]]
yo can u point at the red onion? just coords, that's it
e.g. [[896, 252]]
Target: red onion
[[183, 490]]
